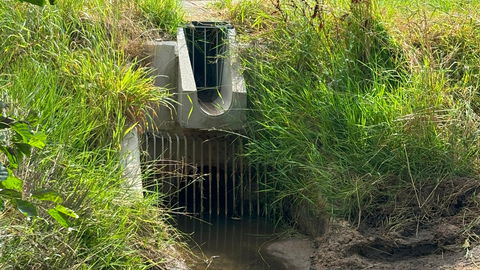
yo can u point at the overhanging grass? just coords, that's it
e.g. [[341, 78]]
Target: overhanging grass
[[355, 120], [70, 65]]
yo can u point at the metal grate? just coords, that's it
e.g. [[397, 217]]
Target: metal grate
[[206, 43], [204, 174]]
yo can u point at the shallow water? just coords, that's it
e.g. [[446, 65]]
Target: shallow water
[[228, 244]]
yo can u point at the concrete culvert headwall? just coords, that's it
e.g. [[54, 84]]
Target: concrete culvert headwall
[[199, 168]]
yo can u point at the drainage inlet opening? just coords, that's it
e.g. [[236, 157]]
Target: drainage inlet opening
[[207, 47]]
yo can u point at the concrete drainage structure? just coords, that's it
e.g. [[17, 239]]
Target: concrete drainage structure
[[195, 148]]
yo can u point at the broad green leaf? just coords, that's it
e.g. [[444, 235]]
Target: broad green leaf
[[59, 217], [38, 140], [67, 211], [26, 208], [12, 182], [27, 136], [47, 195], [3, 173], [23, 130], [35, 2], [10, 193]]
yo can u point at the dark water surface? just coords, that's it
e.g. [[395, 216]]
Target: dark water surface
[[228, 244]]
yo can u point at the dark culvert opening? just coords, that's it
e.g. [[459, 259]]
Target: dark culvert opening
[[206, 42], [204, 174], [212, 193]]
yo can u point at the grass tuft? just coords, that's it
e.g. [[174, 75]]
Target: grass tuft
[[71, 65], [358, 116]]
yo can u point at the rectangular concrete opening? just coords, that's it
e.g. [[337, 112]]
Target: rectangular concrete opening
[[206, 42]]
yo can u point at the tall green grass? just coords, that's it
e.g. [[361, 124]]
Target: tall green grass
[[356, 116], [69, 64], [166, 14]]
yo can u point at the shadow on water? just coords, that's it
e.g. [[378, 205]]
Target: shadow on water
[[228, 244]]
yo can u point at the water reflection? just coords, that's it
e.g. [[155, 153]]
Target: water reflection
[[229, 244]]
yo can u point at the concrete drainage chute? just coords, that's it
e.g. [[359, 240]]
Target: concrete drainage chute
[[200, 166], [202, 71]]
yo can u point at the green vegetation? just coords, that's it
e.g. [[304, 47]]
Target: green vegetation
[[73, 67], [167, 14], [16, 142], [365, 110]]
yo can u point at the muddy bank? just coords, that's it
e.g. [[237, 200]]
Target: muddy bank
[[346, 248], [436, 228], [440, 234]]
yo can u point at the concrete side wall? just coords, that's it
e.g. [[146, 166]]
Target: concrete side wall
[[130, 162], [164, 64], [190, 113]]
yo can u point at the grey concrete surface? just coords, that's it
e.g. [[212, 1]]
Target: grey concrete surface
[[130, 162], [171, 66], [227, 113]]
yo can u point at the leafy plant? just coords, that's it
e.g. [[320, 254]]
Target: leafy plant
[[72, 63], [17, 140]]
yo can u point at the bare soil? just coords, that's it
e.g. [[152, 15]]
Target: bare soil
[[439, 228], [439, 233], [346, 248]]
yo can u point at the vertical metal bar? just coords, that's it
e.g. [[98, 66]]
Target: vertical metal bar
[[194, 191], [146, 147], [201, 173], [210, 229], [193, 47], [158, 183], [171, 167], [250, 193], [234, 168], [185, 176], [265, 178], [218, 177], [205, 58], [210, 177], [177, 170], [226, 239], [170, 151], [217, 219], [155, 148], [234, 236], [241, 176], [225, 174], [162, 145], [217, 75]]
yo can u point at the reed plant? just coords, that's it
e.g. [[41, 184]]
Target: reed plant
[[71, 67], [359, 115]]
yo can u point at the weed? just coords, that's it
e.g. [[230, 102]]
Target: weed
[[347, 121], [166, 14], [69, 64]]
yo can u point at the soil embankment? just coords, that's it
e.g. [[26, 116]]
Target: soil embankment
[[443, 240]]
